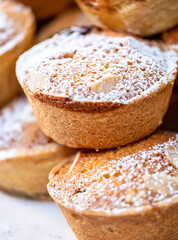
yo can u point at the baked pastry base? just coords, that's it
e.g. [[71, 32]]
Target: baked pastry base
[[123, 125], [122, 194], [27, 176], [40, 197], [159, 222]]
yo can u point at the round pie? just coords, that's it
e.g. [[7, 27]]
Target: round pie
[[16, 35], [26, 154], [124, 193], [140, 17], [97, 89]]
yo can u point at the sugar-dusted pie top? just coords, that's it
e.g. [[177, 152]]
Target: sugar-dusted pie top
[[9, 33], [138, 175], [90, 66], [19, 130], [7, 29], [15, 20]]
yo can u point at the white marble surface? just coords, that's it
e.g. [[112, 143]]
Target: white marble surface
[[22, 219]]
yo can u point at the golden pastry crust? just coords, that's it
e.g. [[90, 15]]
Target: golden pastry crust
[[17, 27], [119, 194], [87, 85], [26, 154], [44, 9], [73, 16], [141, 17]]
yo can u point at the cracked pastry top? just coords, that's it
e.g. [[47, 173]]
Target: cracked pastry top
[[112, 182], [87, 69]]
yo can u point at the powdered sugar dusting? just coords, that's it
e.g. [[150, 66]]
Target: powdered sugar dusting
[[9, 34], [6, 28], [19, 128], [111, 181], [172, 155], [74, 62]]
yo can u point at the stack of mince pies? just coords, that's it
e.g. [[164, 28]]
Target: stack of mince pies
[[96, 98]]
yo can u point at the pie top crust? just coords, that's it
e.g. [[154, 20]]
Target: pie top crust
[[15, 21], [20, 134], [137, 176], [93, 70]]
